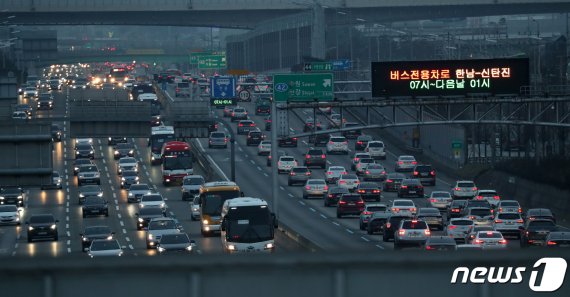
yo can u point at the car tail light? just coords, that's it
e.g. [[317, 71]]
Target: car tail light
[[346, 142], [457, 189], [344, 172], [497, 197], [404, 187], [357, 182], [360, 202], [416, 173], [471, 217], [342, 202], [177, 90], [292, 173], [279, 163], [433, 200], [308, 187], [355, 160], [432, 172], [429, 248], [389, 181], [451, 227], [252, 125], [503, 241], [307, 173], [396, 209], [498, 221], [366, 213], [329, 173], [307, 156], [359, 142], [295, 138], [331, 196], [326, 188], [427, 232], [376, 191], [455, 210], [240, 125], [361, 191], [479, 197], [400, 162], [323, 156], [500, 209], [478, 241], [388, 225], [550, 242], [414, 162], [342, 182], [474, 189], [401, 232], [413, 209], [520, 221], [233, 114], [225, 139], [520, 210], [330, 142], [367, 172]]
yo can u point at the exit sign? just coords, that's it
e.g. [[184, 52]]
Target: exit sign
[[318, 66]]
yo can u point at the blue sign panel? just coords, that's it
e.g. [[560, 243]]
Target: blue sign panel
[[222, 87], [341, 64]]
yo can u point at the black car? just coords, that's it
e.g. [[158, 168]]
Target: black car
[[411, 187], [42, 226], [393, 182], [349, 204], [319, 139], [333, 195], [56, 133], [175, 243], [309, 125], [124, 150], [287, 141], [45, 102], [89, 191], [84, 150], [315, 157], [155, 121], [431, 216], [539, 213], [391, 226], [376, 222], [534, 232], [254, 138], [95, 232], [77, 163], [440, 243], [351, 134], [95, 206], [12, 196], [262, 108], [455, 209], [369, 191], [560, 239], [425, 174], [146, 214], [25, 108], [362, 142], [129, 178], [267, 121], [116, 139]]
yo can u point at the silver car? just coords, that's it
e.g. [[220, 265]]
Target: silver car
[[195, 208], [191, 185], [490, 240], [356, 158], [480, 215], [376, 149], [369, 210], [374, 172], [137, 191], [508, 223], [464, 189], [405, 163], [315, 187], [10, 214], [218, 139], [333, 173], [474, 231], [157, 228], [411, 232], [89, 191], [440, 199], [105, 248], [299, 175], [459, 229], [490, 195], [88, 174]]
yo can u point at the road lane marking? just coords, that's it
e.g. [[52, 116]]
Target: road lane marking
[[281, 187], [114, 195], [104, 161], [68, 242], [304, 142], [131, 247], [365, 239], [329, 162], [124, 231], [117, 207], [258, 168], [312, 209], [240, 149], [290, 195], [67, 190], [127, 239], [65, 162], [252, 162], [266, 175], [108, 175], [67, 218], [67, 209], [349, 231], [302, 203], [119, 215], [69, 250], [122, 224], [379, 246], [336, 223], [323, 216], [66, 226], [68, 234]]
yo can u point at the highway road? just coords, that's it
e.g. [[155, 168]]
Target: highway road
[[63, 204]]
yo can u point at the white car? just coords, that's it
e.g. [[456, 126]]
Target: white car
[[315, 187], [403, 206], [459, 229], [9, 214], [337, 144], [464, 189], [285, 164], [84, 141], [490, 195], [127, 163], [357, 158], [30, 92], [336, 120], [333, 173], [152, 200], [376, 149], [490, 240], [363, 164], [508, 223], [509, 206], [348, 181], [405, 163], [264, 148], [195, 208], [105, 248], [440, 199], [145, 97]]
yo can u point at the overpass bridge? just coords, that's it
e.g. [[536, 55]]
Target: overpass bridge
[[248, 13]]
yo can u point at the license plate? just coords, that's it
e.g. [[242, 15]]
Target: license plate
[[94, 211], [412, 192], [424, 174], [509, 223], [351, 204], [42, 233]]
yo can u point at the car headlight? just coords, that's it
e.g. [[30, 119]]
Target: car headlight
[[77, 152], [116, 152], [110, 237], [31, 228], [189, 248], [141, 205], [91, 152], [131, 152], [162, 205], [53, 227], [81, 195], [205, 222], [160, 249], [231, 247], [76, 168], [85, 239], [100, 194], [136, 178], [150, 237], [140, 220], [109, 138], [122, 178], [131, 194], [20, 197]]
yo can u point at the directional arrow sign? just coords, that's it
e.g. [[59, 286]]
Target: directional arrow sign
[[303, 87]]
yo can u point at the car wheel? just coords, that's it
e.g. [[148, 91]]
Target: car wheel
[[192, 218], [396, 246], [338, 215], [385, 237], [209, 146], [369, 231], [361, 226]]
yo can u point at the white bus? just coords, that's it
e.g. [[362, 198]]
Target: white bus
[[247, 225], [158, 137]]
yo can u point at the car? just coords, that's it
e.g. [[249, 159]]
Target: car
[[348, 181], [315, 188], [490, 240], [84, 150], [333, 173], [508, 223], [558, 239], [45, 101], [285, 164], [287, 141], [145, 97], [431, 216], [93, 233], [78, 163], [42, 226], [509, 206], [309, 125], [84, 141], [369, 191], [105, 248], [405, 163], [13, 196], [263, 107], [459, 229], [337, 144], [127, 163], [349, 204], [376, 222], [335, 120], [369, 210], [356, 158], [374, 172], [315, 157], [10, 214], [333, 195], [403, 206], [122, 150], [191, 186], [392, 224], [476, 203], [175, 243], [363, 164], [182, 89], [480, 215], [411, 232], [455, 209], [326, 109], [267, 121], [56, 133], [88, 174], [129, 178], [474, 230], [425, 174], [135, 192], [239, 113], [30, 92], [362, 142], [153, 200], [25, 108], [376, 149], [218, 139], [351, 134], [113, 140], [539, 213], [245, 126], [254, 137], [464, 189], [155, 121], [534, 232], [411, 187], [299, 174], [319, 139], [228, 111], [264, 148], [440, 243], [440, 199], [89, 191], [94, 205], [144, 215], [490, 195], [393, 182], [158, 227], [195, 207]]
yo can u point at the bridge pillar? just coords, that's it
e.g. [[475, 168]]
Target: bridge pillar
[[318, 43]]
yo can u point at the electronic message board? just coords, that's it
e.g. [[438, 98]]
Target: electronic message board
[[449, 77]]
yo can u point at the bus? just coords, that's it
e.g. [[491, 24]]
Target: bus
[[176, 162], [212, 198], [118, 75], [247, 226], [158, 137]]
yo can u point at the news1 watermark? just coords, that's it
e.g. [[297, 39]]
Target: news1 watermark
[[546, 275]]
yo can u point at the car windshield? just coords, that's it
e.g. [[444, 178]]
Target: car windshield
[[83, 147], [287, 159], [162, 225], [105, 245], [407, 158], [300, 169], [88, 168], [174, 239], [212, 201], [316, 182], [218, 135], [461, 222], [441, 195], [490, 235], [42, 219], [184, 85], [510, 204], [127, 161], [376, 208], [139, 187], [351, 198], [509, 216], [480, 212], [338, 139], [93, 201], [97, 230], [465, 185], [403, 203], [150, 211], [148, 198], [374, 167], [414, 225], [349, 176], [194, 181], [123, 146], [129, 173], [8, 208], [11, 191], [375, 144], [90, 188], [541, 223]]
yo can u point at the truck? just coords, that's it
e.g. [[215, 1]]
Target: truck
[[158, 137], [176, 162]]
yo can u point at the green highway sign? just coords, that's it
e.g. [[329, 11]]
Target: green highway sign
[[318, 66], [212, 62], [194, 56], [223, 102], [303, 87], [456, 144]]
